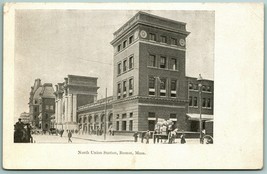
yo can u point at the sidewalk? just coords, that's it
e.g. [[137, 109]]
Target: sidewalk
[[120, 138]]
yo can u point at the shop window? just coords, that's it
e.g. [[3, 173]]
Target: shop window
[[152, 61], [163, 61], [130, 87], [173, 64], [131, 125], [152, 37], [151, 90], [163, 87], [119, 68], [173, 88], [195, 101], [173, 41], [124, 65], [131, 62]]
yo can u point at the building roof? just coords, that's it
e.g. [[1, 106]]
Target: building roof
[[44, 91]]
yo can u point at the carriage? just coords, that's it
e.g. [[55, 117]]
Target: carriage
[[164, 131]]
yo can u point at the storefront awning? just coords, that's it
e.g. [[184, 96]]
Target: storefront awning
[[197, 117]]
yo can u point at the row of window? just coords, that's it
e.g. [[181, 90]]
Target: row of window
[[163, 39], [162, 62], [206, 102], [124, 125], [163, 89], [125, 43], [124, 116], [192, 86], [122, 93], [125, 65]]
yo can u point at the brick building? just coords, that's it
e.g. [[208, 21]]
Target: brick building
[[41, 105]]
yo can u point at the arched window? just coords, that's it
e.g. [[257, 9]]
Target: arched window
[[190, 86], [110, 117], [209, 89], [203, 88]]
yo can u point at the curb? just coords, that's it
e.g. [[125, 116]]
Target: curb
[[111, 141]]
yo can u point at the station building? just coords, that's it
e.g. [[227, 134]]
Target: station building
[[149, 83]]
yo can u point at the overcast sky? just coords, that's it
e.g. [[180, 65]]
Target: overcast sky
[[50, 44]]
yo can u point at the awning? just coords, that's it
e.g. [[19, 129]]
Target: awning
[[197, 117]]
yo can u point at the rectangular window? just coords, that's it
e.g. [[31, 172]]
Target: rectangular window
[[163, 39], [118, 125], [118, 116], [131, 125], [131, 115], [124, 125], [152, 37], [163, 87], [124, 89], [195, 101], [119, 48], [208, 103], [151, 115], [162, 62], [130, 39], [124, 44], [119, 90], [190, 101], [131, 62], [124, 65], [151, 86], [152, 61], [173, 41], [119, 68], [124, 116], [173, 64], [173, 88], [130, 87], [46, 107], [172, 115], [203, 102], [51, 107]]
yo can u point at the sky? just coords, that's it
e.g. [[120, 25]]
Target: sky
[[50, 44]]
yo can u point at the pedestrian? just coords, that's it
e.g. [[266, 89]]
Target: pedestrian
[[142, 136], [69, 136], [183, 138], [147, 136], [135, 135]]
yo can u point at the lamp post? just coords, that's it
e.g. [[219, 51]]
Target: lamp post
[[199, 79]]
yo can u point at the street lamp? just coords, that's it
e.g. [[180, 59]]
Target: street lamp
[[199, 79]]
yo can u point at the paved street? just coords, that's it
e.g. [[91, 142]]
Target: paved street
[[93, 139]]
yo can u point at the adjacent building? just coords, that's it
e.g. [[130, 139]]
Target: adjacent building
[[75, 91], [41, 105]]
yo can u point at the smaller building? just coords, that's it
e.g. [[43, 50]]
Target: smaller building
[[41, 105], [200, 95]]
